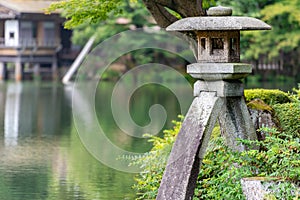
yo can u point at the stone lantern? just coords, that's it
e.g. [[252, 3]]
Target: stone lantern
[[219, 94], [218, 38]]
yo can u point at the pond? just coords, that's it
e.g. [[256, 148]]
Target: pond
[[41, 155]]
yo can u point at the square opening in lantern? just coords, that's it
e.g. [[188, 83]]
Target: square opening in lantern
[[217, 45]]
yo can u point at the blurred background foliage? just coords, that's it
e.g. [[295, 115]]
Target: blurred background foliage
[[279, 47]]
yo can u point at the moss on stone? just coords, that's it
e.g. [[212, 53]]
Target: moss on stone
[[258, 104]]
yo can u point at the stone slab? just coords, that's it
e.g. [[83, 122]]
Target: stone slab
[[223, 68], [219, 71], [258, 188], [253, 189]]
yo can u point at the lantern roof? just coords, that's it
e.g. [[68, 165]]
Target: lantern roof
[[219, 23], [219, 19]]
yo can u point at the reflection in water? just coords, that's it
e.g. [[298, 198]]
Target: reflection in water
[[30, 110], [41, 156], [12, 111]]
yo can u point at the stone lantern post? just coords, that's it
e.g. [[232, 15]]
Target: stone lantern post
[[218, 92]]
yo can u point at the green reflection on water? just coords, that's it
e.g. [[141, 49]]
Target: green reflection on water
[[41, 156]]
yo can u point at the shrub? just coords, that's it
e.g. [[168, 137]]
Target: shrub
[[222, 168], [270, 97], [153, 163], [288, 115]]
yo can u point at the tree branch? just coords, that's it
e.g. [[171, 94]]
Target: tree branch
[[162, 17], [186, 8]]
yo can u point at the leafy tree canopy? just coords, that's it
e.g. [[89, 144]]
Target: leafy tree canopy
[[134, 15], [86, 11], [164, 12], [279, 45], [285, 36]]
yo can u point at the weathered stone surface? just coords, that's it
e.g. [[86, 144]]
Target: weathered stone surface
[[222, 88], [218, 24], [226, 68], [179, 179], [219, 11], [253, 189], [235, 122], [262, 116], [259, 188], [219, 71]]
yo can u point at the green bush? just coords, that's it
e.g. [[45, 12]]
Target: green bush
[[270, 97], [288, 115], [222, 168], [153, 163]]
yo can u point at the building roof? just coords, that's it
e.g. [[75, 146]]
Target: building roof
[[6, 13], [9, 7]]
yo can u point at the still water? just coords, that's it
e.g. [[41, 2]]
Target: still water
[[41, 155]]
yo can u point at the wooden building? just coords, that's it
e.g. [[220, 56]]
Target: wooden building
[[30, 39]]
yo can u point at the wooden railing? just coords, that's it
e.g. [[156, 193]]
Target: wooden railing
[[29, 43]]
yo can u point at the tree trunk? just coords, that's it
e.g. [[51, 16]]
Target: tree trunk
[[185, 8]]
